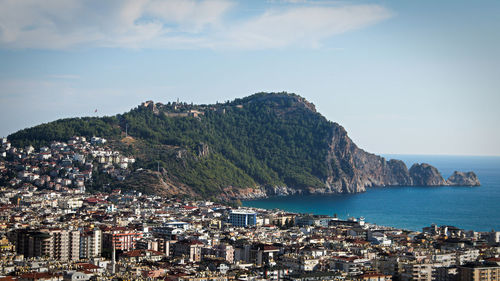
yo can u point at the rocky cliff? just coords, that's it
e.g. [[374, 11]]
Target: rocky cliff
[[352, 170]]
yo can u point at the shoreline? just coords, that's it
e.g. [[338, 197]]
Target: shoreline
[[383, 208]]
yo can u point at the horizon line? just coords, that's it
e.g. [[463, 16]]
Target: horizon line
[[439, 154]]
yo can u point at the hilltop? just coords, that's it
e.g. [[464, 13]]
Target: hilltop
[[263, 144]]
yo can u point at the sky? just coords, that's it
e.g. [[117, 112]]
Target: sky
[[403, 77]]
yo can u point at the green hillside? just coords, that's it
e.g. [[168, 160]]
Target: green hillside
[[267, 139]]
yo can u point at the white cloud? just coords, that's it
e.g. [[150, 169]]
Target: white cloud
[[306, 26], [63, 24]]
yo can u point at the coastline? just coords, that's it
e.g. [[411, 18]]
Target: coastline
[[390, 206]]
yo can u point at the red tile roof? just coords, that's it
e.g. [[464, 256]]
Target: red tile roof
[[38, 275], [87, 266]]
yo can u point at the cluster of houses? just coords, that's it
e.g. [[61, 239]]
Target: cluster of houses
[[61, 166], [51, 235]]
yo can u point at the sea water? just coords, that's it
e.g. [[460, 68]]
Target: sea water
[[410, 207]]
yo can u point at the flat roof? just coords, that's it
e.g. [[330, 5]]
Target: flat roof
[[243, 212]]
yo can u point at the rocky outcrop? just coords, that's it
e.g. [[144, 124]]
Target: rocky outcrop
[[463, 179], [232, 193], [159, 183], [426, 175], [203, 149], [352, 170], [281, 190]]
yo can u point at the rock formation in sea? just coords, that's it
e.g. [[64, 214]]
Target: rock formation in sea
[[426, 175], [463, 179]]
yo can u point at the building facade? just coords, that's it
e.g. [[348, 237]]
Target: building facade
[[242, 218]]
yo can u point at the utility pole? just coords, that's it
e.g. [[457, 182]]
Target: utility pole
[[126, 129]]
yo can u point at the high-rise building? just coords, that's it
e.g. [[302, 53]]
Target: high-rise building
[[155, 244], [61, 244], [33, 243], [479, 272], [121, 239], [242, 218], [225, 251], [190, 249], [58, 244], [91, 243]]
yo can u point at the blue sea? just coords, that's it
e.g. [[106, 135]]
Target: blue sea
[[470, 208]]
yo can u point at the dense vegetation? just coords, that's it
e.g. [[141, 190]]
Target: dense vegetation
[[264, 139], [63, 129]]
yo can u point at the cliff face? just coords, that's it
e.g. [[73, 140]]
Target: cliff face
[[352, 170]]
